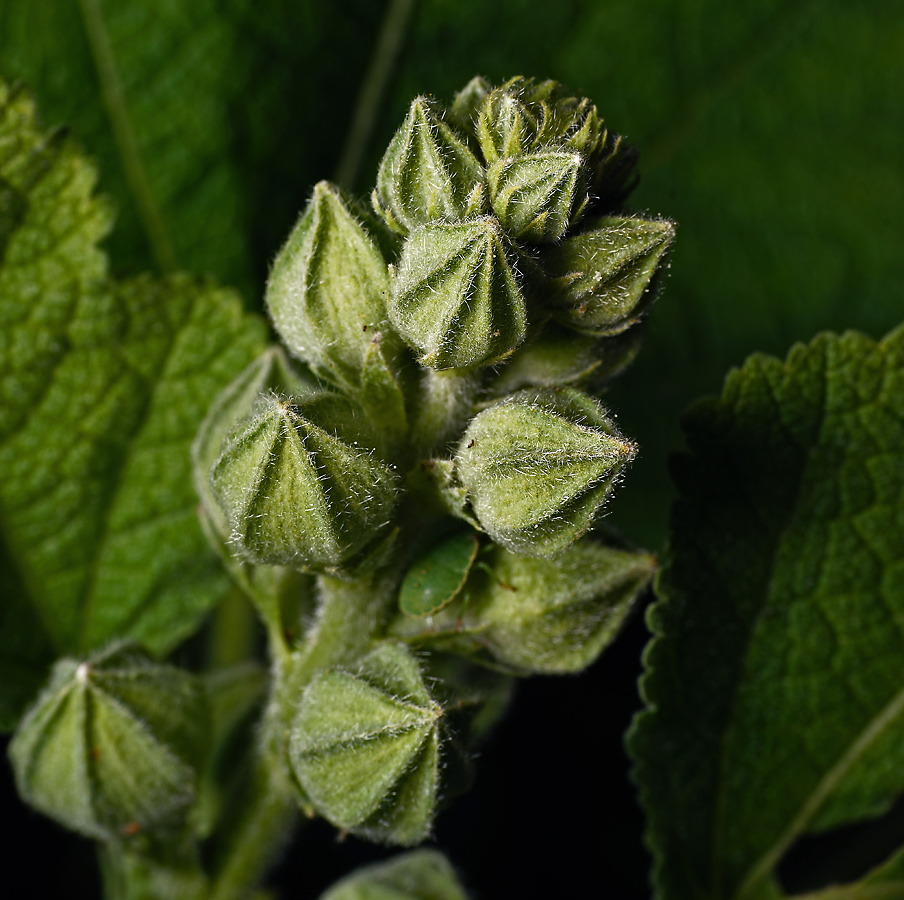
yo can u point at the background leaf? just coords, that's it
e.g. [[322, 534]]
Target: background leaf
[[103, 385], [771, 131], [774, 685]]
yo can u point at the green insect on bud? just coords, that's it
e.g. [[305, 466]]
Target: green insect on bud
[[539, 195], [604, 279], [365, 747], [427, 173], [113, 745], [539, 466], [557, 615], [327, 291], [456, 298], [419, 875], [298, 494]]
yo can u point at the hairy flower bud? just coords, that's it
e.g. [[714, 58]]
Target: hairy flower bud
[[269, 373], [604, 278], [427, 173], [296, 493], [327, 292], [455, 297], [556, 615], [538, 467], [113, 745], [539, 195], [466, 105], [365, 747], [419, 875]]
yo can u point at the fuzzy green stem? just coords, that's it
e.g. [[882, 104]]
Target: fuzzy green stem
[[445, 405], [395, 24], [265, 827]]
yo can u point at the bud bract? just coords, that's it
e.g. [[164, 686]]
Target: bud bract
[[365, 747], [556, 615], [537, 196], [113, 745], [455, 297], [327, 291], [427, 173], [296, 493], [419, 875], [604, 278], [538, 467]]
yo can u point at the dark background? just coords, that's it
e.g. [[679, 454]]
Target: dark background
[[771, 131]]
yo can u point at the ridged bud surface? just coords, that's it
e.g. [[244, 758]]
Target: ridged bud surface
[[427, 173], [603, 279], [557, 615], [538, 467], [537, 196], [297, 494], [327, 291], [113, 745], [365, 747], [420, 875], [455, 298], [269, 373], [466, 105]]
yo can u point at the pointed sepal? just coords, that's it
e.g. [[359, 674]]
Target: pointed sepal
[[428, 172], [113, 745], [605, 278], [295, 492], [365, 747], [456, 298], [538, 467], [327, 291]]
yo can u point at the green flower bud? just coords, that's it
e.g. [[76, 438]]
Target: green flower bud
[[507, 126], [556, 615], [427, 173], [327, 291], [365, 747], [271, 372], [455, 297], [538, 467], [556, 356], [604, 278], [466, 105], [113, 745], [523, 116], [419, 875], [297, 494], [539, 195]]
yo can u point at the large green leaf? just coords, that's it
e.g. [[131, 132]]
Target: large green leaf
[[102, 387], [775, 680], [211, 119]]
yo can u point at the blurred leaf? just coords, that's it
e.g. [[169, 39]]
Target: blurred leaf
[[772, 132], [103, 385], [774, 685], [221, 97]]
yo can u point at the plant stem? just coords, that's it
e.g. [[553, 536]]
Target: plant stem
[[395, 24], [124, 133]]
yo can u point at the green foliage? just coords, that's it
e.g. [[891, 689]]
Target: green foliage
[[504, 260], [774, 682], [103, 384]]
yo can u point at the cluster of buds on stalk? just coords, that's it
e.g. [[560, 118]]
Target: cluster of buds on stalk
[[426, 449]]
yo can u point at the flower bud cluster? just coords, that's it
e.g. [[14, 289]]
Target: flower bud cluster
[[432, 453]]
